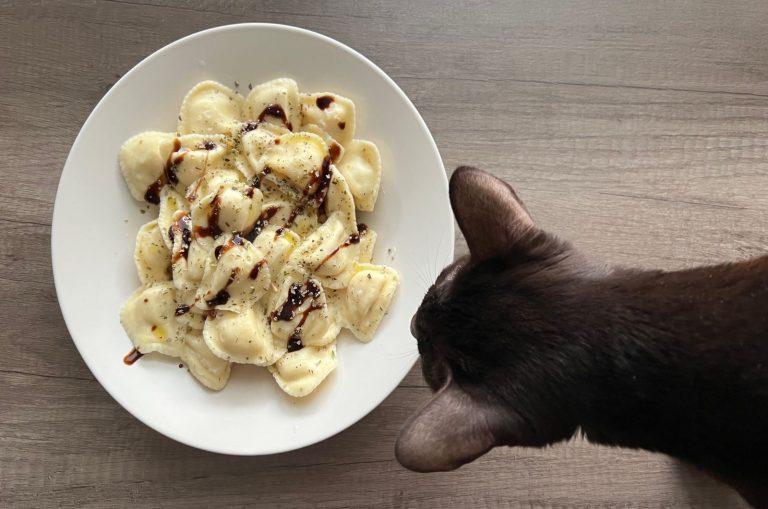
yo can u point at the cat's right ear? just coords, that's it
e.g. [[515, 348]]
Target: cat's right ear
[[490, 215], [452, 429]]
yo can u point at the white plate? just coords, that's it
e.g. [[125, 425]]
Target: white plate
[[95, 222]]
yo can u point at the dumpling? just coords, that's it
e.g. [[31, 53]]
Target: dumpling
[[239, 207], [299, 372], [210, 108], [233, 207], [170, 203], [337, 268], [193, 154], [152, 257], [254, 146], [275, 247], [335, 149], [212, 181], [332, 113], [361, 167], [300, 314], [339, 198], [142, 160], [275, 102], [297, 157], [243, 337], [149, 319], [235, 278], [323, 244], [367, 299], [208, 369]]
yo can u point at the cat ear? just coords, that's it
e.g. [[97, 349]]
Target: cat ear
[[490, 215], [450, 430]]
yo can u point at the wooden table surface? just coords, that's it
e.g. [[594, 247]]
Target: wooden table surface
[[637, 129]]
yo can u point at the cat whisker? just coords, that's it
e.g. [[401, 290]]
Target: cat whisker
[[439, 265], [435, 264], [421, 278], [422, 281], [427, 271], [403, 355]]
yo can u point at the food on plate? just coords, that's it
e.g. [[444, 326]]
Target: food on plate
[[256, 255]]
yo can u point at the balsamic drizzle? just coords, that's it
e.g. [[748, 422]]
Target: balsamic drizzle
[[324, 101], [182, 224], [132, 356], [298, 294]]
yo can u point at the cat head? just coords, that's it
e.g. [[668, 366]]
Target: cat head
[[489, 332]]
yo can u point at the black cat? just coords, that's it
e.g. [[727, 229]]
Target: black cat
[[525, 341]]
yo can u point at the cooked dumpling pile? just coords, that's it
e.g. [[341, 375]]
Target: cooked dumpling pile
[[256, 256]]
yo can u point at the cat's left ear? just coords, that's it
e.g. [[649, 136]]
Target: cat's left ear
[[452, 429], [491, 216]]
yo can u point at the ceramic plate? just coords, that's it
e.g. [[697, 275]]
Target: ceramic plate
[[95, 222]]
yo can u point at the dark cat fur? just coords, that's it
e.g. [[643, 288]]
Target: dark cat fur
[[526, 341]]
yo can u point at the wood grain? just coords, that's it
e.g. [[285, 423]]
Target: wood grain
[[637, 129]]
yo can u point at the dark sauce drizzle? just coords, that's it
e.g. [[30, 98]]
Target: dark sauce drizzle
[[212, 230], [276, 111], [334, 151], [324, 101], [182, 224], [320, 181], [298, 294], [169, 170], [236, 240], [181, 309], [132, 357], [153, 191], [222, 296], [263, 220], [256, 180], [256, 269], [294, 342], [249, 126], [362, 228]]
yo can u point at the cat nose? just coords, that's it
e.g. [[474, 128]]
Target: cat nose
[[413, 326]]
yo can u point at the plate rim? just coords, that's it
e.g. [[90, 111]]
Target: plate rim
[[57, 219]]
